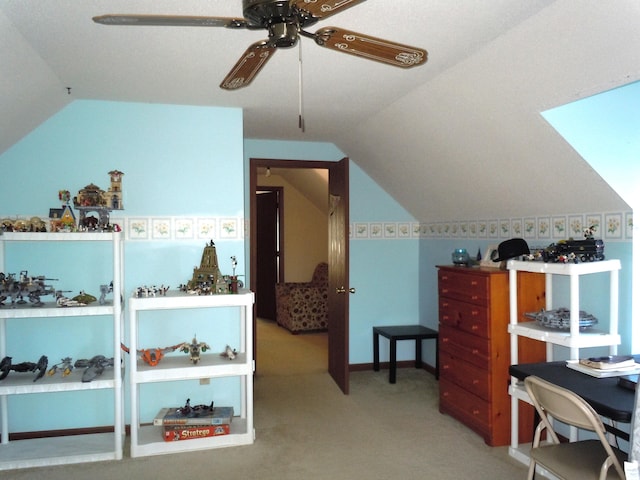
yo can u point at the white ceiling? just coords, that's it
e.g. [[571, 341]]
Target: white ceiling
[[457, 138]]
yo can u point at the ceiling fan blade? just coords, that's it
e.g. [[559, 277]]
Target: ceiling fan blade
[[170, 21], [251, 62], [371, 48], [325, 8]]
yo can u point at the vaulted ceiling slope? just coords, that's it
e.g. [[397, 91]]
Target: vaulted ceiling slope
[[460, 137]]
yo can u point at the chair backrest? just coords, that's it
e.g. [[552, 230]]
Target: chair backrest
[[569, 408], [321, 274]]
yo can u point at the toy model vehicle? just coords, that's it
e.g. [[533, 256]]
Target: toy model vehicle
[[574, 251]]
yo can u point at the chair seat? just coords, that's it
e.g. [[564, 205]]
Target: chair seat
[[576, 460]]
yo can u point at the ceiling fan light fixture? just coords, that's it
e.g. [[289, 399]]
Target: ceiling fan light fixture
[[283, 34]]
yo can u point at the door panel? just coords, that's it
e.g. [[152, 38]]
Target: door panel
[[267, 250], [339, 273]]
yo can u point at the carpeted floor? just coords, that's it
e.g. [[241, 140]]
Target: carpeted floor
[[307, 429]]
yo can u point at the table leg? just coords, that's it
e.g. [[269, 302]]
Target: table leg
[[418, 352], [376, 351], [392, 361]]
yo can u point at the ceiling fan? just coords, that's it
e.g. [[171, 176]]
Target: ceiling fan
[[285, 20]]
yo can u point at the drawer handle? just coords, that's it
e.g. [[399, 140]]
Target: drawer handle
[[474, 297], [475, 411], [474, 327], [474, 283], [475, 381], [445, 277], [445, 339], [474, 313], [474, 351], [445, 317], [445, 290], [445, 304], [446, 366]]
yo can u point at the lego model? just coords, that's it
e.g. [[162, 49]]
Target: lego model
[[6, 366], [25, 286]]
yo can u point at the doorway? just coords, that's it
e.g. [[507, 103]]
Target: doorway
[[338, 260]]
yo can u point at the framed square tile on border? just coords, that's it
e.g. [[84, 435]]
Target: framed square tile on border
[[612, 226], [137, 228]]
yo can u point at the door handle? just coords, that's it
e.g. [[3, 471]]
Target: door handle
[[343, 290]]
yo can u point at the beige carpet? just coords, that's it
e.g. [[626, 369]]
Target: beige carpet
[[307, 429]]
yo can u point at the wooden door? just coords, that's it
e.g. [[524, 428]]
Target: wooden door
[[339, 273], [267, 251]]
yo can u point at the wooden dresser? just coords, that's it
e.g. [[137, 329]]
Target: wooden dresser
[[474, 348]]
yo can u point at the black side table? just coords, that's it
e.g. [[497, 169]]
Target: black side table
[[402, 332]]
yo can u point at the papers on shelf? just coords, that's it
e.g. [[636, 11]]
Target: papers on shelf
[[603, 373]]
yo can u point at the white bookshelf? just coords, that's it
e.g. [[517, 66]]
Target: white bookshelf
[[574, 339], [147, 439], [39, 452]]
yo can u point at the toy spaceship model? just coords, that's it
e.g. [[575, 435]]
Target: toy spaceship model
[[6, 366], [194, 348], [152, 356]]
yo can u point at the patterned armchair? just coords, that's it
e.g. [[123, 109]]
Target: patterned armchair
[[302, 306]]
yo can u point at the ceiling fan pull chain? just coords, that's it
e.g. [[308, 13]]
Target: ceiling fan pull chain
[[300, 101]]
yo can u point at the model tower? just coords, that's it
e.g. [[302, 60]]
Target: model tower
[[114, 194]]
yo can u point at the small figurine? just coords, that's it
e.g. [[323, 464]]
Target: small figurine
[[229, 353], [194, 349], [41, 367], [104, 289], [152, 356], [150, 291], [63, 301], [84, 298], [65, 365], [93, 366]]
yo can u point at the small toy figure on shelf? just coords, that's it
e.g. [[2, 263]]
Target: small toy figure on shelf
[[194, 349], [151, 291], [104, 290], [229, 353], [233, 280], [64, 196], [65, 365]]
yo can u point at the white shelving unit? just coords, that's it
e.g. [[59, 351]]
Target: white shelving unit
[[146, 439], [65, 449], [574, 339]]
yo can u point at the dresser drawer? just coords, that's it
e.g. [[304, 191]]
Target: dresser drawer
[[470, 377], [469, 317], [465, 346], [463, 286], [466, 407]]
